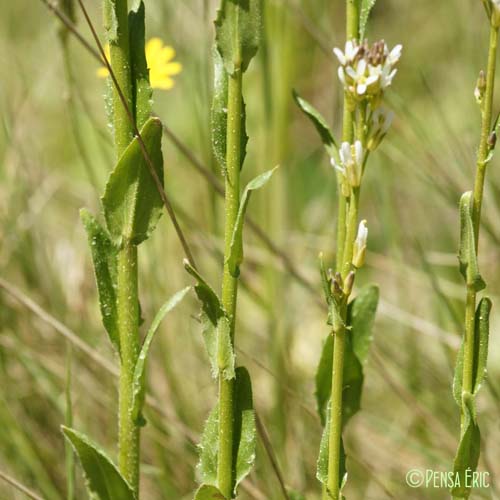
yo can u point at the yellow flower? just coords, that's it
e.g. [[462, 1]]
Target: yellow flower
[[160, 64]]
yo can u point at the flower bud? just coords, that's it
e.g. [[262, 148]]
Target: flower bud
[[349, 283], [495, 13], [480, 88], [359, 250], [492, 140]]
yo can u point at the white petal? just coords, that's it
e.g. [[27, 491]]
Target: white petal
[[395, 54], [340, 56], [358, 148], [341, 75], [361, 89], [350, 72], [345, 153], [360, 70]]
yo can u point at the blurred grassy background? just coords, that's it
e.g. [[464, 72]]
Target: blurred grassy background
[[55, 155]]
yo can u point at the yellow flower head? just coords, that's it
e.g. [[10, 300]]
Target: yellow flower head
[[160, 64]]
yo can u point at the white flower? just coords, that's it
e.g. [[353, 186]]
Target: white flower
[[359, 249], [351, 51], [366, 71], [351, 165]]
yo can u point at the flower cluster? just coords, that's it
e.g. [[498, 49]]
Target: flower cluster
[[366, 71], [352, 157]]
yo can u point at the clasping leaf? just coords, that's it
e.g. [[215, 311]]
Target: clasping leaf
[[467, 456], [102, 478], [104, 257], [244, 435], [235, 257], [238, 27], [481, 336], [216, 327], [208, 492], [139, 384], [132, 204], [320, 125], [366, 7], [467, 251]]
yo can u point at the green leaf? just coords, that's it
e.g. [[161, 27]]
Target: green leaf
[[208, 492], [219, 115], [244, 435], [215, 327], [360, 317], [322, 463], [209, 449], [238, 27], [481, 336], [139, 384], [235, 257], [320, 125], [103, 480], [131, 202], [467, 251], [366, 7], [324, 379], [141, 89], [467, 456], [104, 257]]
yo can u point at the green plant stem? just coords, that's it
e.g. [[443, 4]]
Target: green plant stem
[[352, 15], [485, 132], [128, 325], [229, 283], [346, 231], [127, 280], [120, 62], [470, 305], [68, 421]]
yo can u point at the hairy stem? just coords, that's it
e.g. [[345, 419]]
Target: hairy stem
[[128, 325], [116, 16], [225, 471]]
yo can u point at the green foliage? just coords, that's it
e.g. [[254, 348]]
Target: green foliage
[[104, 257], [219, 114], [103, 480], [139, 391], [360, 317], [467, 456], [244, 434], [141, 89], [481, 336], [215, 327], [322, 464], [131, 202], [238, 27], [235, 257], [208, 492], [366, 7], [467, 251], [320, 125]]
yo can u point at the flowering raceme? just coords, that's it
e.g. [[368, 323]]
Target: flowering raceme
[[366, 71]]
